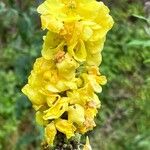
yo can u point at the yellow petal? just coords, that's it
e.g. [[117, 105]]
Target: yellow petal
[[64, 85], [41, 65], [52, 99], [95, 47], [51, 24], [105, 20], [65, 127], [67, 67], [51, 77], [93, 70], [87, 33], [51, 88], [37, 107], [97, 88], [96, 101], [33, 95], [101, 80], [52, 44], [50, 133], [94, 59], [91, 80], [57, 109], [39, 118], [49, 6], [76, 114], [78, 51], [90, 113], [77, 97], [49, 17], [82, 95], [34, 79], [88, 9]]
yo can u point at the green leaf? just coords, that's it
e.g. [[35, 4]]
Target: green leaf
[[139, 43], [141, 18]]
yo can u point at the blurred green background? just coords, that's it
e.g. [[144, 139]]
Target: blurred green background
[[123, 122]]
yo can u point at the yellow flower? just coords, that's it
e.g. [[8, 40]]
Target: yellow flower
[[81, 25], [87, 146], [81, 42], [84, 41], [84, 95], [78, 51], [47, 78], [54, 13], [66, 127], [80, 96], [50, 133], [94, 80]]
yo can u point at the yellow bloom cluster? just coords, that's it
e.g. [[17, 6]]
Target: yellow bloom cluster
[[64, 81]]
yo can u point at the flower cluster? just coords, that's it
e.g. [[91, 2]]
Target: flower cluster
[[64, 81]]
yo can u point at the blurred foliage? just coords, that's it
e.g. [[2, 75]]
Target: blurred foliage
[[124, 119], [20, 44]]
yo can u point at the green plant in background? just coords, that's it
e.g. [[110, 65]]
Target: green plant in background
[[125, 109], [16, 56], [124, 118]]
